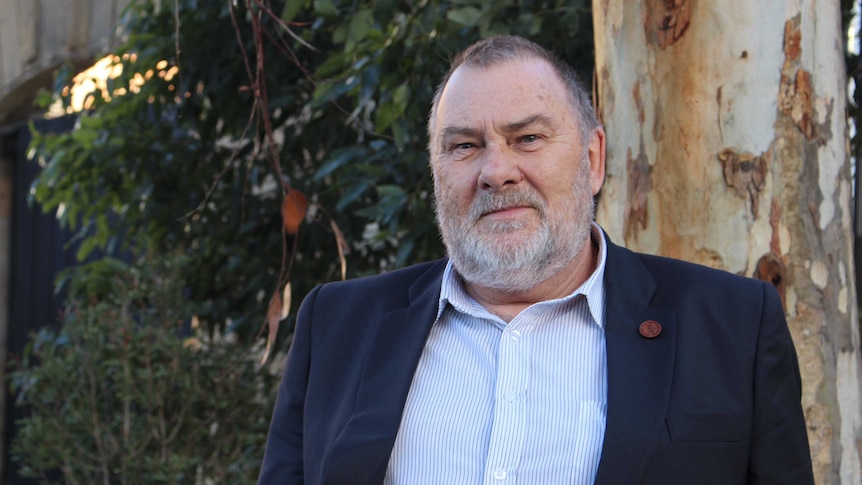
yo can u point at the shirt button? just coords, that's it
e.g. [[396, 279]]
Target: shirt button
[[500, 474], [510, 396], [516, 335]]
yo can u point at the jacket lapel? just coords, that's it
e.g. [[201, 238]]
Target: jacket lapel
[[361, 453], [639, 369]]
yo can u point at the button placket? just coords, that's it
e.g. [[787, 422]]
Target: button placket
[[508, 429]]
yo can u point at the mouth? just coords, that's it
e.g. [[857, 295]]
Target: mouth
[[506, 206], [508, 212]]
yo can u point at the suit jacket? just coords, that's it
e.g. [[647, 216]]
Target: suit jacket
[[714, 398]]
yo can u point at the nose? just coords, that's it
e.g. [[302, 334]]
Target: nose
[[499, 168]]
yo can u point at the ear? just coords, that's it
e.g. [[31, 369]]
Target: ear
[[596, 153]]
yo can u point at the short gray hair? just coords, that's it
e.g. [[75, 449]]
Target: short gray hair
[[496, 50]]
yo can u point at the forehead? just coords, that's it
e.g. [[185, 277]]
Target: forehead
[[503, 92]]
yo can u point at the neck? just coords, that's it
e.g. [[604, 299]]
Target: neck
[[507, 305]]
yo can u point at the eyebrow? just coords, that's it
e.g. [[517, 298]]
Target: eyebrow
[[536, 119], [460, 130]]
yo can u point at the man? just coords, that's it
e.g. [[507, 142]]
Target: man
[[539, 352]]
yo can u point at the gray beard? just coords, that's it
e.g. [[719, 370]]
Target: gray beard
[[481, 258]]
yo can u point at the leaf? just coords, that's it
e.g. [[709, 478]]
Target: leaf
[[342, 247], [332, 65], [360, 24], [389, 112], [339, 34], [325, 8], [352, 193], [402, 92], [385, 116], [339, 158], [400, 135], [293, 210], [391, 191], [285, 301], [87, 246], [273, 316], [466, 16], [291, 8], [328, 91]]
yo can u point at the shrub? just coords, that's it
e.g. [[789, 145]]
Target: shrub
[[131, 391]]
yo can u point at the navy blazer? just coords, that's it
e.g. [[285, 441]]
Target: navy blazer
[[713, 399]]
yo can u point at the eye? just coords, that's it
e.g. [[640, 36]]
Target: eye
[[529, 143], [463, 148]]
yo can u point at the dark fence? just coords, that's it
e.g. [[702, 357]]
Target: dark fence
[[39, 253]]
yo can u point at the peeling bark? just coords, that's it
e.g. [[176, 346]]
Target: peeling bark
[[795, 94], [770, 269], [746, 173], [667, 21], [795, 101], [639, 185]]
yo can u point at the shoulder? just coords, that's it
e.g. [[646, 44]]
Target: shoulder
[[402, 277], [676, 280], [664, 268], [385, 290]]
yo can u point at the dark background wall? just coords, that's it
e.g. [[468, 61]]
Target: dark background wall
[[39, 251]]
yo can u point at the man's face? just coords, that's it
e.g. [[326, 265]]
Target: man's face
[[513, 181]]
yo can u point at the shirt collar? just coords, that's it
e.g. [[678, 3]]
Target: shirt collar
[[452, 290]]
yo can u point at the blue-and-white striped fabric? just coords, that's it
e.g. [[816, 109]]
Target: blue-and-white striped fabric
[[494, 403]]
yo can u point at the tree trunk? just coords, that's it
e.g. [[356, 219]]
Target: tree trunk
[[727, 146]]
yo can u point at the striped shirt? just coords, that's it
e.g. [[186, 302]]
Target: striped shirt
[[494, 403]]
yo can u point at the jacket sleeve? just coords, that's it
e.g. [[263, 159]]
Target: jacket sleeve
[[283, 457], [779, 443]]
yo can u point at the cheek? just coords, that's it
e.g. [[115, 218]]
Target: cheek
[[568, 195], [452, 189]]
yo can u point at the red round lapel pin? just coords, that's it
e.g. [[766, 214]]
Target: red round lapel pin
[[650, 329]]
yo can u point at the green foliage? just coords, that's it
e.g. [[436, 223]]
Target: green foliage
[[184, 163], [126, 393]]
